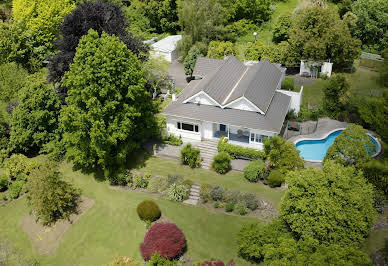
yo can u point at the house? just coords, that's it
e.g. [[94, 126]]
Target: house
[[228, 98], [166, 48]]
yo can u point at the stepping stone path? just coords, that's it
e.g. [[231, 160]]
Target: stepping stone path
[[194, 195]]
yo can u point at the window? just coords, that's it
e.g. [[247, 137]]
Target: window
[[196, 128], [252, 137], [179, 125], [258, 138], [188, 127]]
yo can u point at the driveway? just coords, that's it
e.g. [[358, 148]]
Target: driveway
[[176, 72]]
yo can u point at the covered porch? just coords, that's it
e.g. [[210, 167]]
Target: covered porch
[[233, 133]]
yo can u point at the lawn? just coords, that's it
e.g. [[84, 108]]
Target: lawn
[[112, 227]]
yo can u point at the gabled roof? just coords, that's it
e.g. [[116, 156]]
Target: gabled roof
[[205, 65], [167, 44]]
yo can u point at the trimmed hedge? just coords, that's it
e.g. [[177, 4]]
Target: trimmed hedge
[[148, 210], [164, 238], [221, 162], [236, 151], [288, 84], [190, 156], [275, 179], [253, 171]]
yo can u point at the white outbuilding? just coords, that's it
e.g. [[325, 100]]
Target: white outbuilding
[[167, 48]]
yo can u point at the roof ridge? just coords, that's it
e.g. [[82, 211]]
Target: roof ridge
[[235, 86]]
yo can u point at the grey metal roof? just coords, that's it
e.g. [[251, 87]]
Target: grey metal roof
[[271, 121], [205, 65]]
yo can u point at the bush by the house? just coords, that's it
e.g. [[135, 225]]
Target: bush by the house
[[236, 151], [275, 179], [172, 140], [241, 208], [229, 207], [221, 162], [15, 189], [250, 201], [174, 179], [3, 183], [253, 170], [231, 196], [205, 191], [190, 156], [148, 210], [157, 184], [20, 166], [164, 238], [177, 192], [50, 197], [288, 84], [217, 193], [140, 181]]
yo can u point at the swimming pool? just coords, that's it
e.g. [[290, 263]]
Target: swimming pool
[[315, 149]]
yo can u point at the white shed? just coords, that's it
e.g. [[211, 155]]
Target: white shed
[[166, 48]]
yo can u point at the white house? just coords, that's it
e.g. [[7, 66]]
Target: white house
[[241, 102], [167, 48]]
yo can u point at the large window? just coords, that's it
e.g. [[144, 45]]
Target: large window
[[258, 138], [187, 127]]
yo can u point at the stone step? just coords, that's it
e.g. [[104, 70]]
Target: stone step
[[191, 202], [195, 189], [194, 197], [194, 193]]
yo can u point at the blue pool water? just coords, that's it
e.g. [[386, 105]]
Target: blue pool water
[[316, 149]]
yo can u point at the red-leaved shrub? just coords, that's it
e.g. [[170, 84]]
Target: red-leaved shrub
[[164, 238]]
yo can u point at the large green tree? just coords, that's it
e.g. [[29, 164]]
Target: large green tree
[[220, 49], [333, 205], [336, 94], [282, 28], [351, 147], [372, 23], [109, 112], [190, 60], [12, 79], [35, 120], [258, 11], [318, 34]]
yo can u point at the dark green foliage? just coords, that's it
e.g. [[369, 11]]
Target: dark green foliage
[[217, 193], [191, 59], [250, 201], [236, 151], [257, 11], [3, 134], [190, 156], [376, 172], [172, 140], [336, 94], [3, 182], [121, 178], [351, 147], [221, 163], [40, 103], [50, 197], [140, 181], [253, 170], [288, 84], [383, 69], [275, 178], [148, 210], [229, 207], [331, 189], [157, 260], [282, 28], [282, 155], [12, 80], [15, 189], [101, 127]]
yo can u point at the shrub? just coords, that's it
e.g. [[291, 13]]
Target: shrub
[[217, 205], [275, 179], [288, 84], [172, 140], [217, 193], [164, 238], [188, 183], [239, 152], [231, 196], [221, 162], [148, 210], [50, 197], [252, 170], [19, 165], [122, 178], [15, 189], [177, 192], [204, 192], [229, 207], [4, 153], [250, 201], [157, 260], [157, 184], [376, 172], [3, 182], [240, 208], [190, 156], [140, 181], [174, 179], [124, 261]]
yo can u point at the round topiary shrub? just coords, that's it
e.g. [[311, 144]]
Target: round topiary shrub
[[275, 178], [221, 162], [164, 238], [252, 171], [148, 210]]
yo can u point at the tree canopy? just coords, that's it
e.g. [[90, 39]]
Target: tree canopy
[[219, 49], [336, 94], [351, 147], [12, 79], [99, 16], [109, 112], [191, 59], [35, 120], [333, 205], [282, 28], [318, 34]]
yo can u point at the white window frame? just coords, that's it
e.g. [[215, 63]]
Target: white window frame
[[257, 138], [184, 130]]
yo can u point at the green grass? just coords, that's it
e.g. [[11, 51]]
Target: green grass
[[231, 180], [312, 94], [112, 227]]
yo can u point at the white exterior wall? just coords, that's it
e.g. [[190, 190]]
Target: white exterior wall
[[296, 99], [202, 99], [166, 56], [257, 145], [242, 104], [185, 135], [207, 130], [326, 69]]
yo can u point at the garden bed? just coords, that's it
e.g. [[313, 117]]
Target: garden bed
[[47, 238]]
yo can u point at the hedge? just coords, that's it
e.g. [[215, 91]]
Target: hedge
[[236, 151]]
